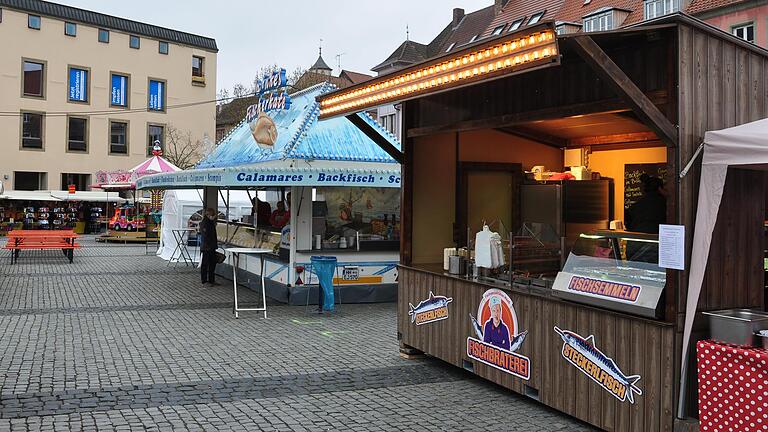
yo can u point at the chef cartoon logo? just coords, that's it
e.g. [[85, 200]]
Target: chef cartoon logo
[[434, 308], [498, 336], [583, 354]]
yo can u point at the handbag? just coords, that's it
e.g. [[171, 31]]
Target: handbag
[[220, 257]]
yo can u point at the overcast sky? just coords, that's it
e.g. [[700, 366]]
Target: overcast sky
[[287, 32]]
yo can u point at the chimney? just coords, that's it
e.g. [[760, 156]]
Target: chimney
[[498, 5], [458, 15]]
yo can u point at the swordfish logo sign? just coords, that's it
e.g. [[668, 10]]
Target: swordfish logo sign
[[435, 308], [583, 354]]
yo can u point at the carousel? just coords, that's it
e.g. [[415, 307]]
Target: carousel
[[137, 219]]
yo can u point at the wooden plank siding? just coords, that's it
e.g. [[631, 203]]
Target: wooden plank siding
[[637, 345]]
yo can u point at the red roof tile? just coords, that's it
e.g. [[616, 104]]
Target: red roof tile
[[699, 6], [354, 77], [474, 24]]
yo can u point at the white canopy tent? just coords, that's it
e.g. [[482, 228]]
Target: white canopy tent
[[180, 205], [744, 146]]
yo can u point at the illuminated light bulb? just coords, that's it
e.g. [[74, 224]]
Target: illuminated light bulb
[[431, 70], [491, 66], [498, 64], [399, 92], [450, 65], [526, 57], [471, 58], [474, 71], [495, 50], [443, 67], [421, 86], [418, 74], [432, 82], [505, 48], [487, 52], [545, 53], [507, 62], [457, 62], [453, 77], [482, 69], [464, 60]]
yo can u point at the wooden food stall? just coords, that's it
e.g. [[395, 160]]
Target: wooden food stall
[[543, 138]]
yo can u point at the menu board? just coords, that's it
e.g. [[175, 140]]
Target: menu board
[[633, 187]]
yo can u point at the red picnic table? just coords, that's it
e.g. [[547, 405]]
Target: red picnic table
[[19, 240]]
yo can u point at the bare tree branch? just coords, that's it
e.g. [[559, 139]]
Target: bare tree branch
[[180, 149]]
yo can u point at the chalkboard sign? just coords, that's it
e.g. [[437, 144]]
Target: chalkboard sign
[[633, 187]]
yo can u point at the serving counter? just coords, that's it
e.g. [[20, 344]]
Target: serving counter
[[567, 347]]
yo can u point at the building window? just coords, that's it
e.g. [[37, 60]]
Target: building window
[[745, 31], [134, 42], [516, 24], [34, 79], [389, 122], [197, 66], [602, 21], [474, 38], [33, 22], [156, 135], [156, 97], [535, 18], [80, 181], [120, 90], [31, 130], [70, 29], [657, 8], [103, 36], [450, 47], [77, 134], [118, 137], [560, 29], [29, 181], [163, 48], [497, 31], [78, 85]]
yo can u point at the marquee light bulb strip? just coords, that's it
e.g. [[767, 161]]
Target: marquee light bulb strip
[[511, 54]]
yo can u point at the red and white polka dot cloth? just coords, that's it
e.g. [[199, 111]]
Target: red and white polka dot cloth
[[733, 387]]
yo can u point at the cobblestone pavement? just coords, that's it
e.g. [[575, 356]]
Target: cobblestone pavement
[[120, 341]]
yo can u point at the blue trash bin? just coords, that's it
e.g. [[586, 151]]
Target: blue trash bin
[[325, 268]]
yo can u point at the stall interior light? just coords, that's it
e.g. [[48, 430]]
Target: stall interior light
[[504, 55]]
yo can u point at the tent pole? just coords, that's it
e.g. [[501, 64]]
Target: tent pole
[[226, 203], [695, 156]]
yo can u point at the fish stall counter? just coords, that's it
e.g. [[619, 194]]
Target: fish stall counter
[[531, 333]]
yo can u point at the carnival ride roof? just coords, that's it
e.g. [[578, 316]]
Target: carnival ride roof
[[155, 164]]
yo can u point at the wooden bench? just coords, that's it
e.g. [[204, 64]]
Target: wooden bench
[[19, 240]]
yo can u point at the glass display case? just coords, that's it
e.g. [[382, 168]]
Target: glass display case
[[615, 270]]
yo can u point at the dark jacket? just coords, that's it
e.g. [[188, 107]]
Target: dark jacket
[[208, 238], [646, 215]]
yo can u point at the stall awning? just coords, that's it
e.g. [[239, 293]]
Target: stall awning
[[280, 173], [28, 196], [89, 196]]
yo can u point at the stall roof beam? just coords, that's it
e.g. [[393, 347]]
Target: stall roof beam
[[535, 135], [604, 106], [649, 138], [612, 74], [374, 135]]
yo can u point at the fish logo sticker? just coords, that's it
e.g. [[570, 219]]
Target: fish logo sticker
[[497, 337], [435, 308], [583, 354]]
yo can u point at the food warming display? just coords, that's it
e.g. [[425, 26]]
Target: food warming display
[[569, 207], [615, 270]]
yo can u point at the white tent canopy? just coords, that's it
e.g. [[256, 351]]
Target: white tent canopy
[[180, 205], [744, 146]]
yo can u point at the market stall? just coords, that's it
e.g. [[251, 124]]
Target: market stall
[[325, 188], [547, 235], [78, 210]]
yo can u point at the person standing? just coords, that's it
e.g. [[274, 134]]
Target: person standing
[[209, 242]]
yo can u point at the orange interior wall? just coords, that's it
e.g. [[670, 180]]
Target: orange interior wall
[[488, 145], [610, 163]]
